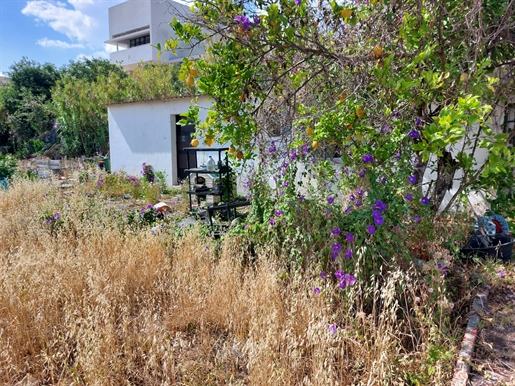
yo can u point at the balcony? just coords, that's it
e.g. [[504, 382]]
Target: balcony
[[134, 55]]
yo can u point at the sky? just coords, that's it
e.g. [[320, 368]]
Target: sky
[[51, 31]]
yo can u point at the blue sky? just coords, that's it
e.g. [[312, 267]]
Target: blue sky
[[53, 31]]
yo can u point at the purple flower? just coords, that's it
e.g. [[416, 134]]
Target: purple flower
[[371, 229], [442, 268], [386, 128], [335, 231], [316, 291], [398, 156], [380, 205], [338, 274], [383, 180], [57, 216], [349, 237], [348, 280], [323, 275], [305, 150], [348, 210], [352, 197], [412, 179], [359, 192], [424, 200], [378, 220], [501, 273], [418, 121], [48, 220], [358, 204], [351, 280], [361, 174], [279, 213], [246, 227], [337, 247], [272, 222], [413, 134], [286, 183], [368, 159], [330, 200], [243, 20], [348, 253], [257, 20], [332, 328], [416, 218], [333, 254], [301, 198], [272, 148], [409, 197], [293, 155], [285, 165]]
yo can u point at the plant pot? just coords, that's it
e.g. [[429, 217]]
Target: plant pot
[[499, 246]]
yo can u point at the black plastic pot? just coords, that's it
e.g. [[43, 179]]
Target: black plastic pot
[[498, 247]]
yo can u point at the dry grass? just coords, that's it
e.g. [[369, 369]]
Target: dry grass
[[87, 304]]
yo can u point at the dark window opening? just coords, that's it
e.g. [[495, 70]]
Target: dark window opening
[[140, 41]]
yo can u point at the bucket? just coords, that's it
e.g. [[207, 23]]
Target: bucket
[[499, 246], [107, 163]]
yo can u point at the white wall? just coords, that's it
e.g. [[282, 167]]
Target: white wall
[[145, 132], [137, 14]]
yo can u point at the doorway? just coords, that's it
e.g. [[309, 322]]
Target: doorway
[[183, 135]]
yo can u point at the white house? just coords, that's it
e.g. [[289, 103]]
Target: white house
[[136, 26], [148, 132]]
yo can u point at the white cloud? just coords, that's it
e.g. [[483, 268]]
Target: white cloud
[[58, 44], [81, 4], [76, 25]]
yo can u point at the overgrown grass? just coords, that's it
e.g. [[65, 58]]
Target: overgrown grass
[[85, 300]]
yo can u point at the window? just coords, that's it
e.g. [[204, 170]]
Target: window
[[140, 41], [509, 122]]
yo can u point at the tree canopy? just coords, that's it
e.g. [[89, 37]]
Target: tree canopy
[[412, 84]]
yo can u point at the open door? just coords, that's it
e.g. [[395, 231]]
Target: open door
[[183, 140]]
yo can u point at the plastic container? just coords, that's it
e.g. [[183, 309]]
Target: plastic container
[[499, 246], [210, 164]]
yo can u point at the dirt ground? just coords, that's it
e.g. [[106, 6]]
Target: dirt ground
[[494, 355]]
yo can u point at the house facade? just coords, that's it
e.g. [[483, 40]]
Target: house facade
[[136, 27], [149, 132]]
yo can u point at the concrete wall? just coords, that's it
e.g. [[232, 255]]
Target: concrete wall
[[146, 132]]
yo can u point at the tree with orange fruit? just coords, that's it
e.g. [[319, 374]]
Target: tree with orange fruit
[[413, 83]]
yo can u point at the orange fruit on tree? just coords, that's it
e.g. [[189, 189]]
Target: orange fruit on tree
[[309, 131], [193, 71], [360, 112], [209, 142], [239, 155], [232, 150], [343, 96], [345, 13], [190, 80], [378, 51], [194, 142], [315, 145]]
